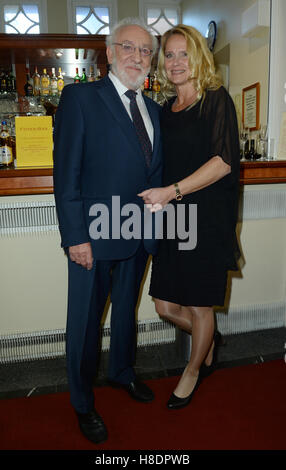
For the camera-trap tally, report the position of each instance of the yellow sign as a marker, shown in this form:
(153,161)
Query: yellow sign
(34,141)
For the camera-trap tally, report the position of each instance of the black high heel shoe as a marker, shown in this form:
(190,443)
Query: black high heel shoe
(174,402)
(206,371)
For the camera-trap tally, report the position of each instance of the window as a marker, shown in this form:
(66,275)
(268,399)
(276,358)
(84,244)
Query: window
(23,17)
(91,17)
(160,15)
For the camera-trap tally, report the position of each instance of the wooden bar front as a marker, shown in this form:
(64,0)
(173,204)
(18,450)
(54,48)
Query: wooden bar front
(40,181)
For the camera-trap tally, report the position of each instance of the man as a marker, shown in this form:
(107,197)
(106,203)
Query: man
(99,153)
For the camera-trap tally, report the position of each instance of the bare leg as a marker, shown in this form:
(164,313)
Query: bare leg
(175,313)
(209,357)
(202,338)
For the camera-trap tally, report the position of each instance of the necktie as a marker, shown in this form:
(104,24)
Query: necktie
(139,126)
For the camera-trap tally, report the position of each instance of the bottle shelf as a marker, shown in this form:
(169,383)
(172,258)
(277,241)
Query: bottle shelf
(67,51)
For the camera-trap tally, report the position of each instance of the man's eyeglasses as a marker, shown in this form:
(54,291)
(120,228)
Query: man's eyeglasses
(130,49)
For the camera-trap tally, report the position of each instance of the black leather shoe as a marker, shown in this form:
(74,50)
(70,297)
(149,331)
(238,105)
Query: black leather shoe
(175,403)
(205,370)
(136,389)
(92,426)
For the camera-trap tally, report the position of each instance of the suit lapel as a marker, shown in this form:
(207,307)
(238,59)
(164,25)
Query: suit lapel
(113,101)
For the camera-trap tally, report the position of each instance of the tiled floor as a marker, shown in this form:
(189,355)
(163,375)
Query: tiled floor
(49,376)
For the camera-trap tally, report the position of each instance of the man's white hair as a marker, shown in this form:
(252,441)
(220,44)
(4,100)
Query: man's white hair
(131,22)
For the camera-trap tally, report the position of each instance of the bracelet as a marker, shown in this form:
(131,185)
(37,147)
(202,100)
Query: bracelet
(179,195)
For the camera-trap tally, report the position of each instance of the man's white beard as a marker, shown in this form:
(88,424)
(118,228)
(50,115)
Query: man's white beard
(125,79)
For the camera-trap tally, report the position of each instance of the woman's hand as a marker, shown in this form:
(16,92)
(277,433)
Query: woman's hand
(156,198)
(209,173)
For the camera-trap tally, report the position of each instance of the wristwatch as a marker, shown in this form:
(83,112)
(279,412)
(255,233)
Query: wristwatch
(179,195)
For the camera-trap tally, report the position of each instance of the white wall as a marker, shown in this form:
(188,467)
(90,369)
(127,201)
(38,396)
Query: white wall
(277,92)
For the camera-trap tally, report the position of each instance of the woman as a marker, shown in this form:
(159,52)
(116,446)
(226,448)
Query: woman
(201,155)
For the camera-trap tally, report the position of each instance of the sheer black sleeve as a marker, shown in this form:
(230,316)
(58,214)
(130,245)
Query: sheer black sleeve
(223,129)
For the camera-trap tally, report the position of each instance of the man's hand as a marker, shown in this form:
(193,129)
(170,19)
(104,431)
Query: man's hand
(82,254)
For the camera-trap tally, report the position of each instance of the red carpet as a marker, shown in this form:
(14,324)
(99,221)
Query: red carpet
(242,408)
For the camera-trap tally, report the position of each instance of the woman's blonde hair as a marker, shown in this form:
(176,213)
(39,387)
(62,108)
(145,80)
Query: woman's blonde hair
(201,62)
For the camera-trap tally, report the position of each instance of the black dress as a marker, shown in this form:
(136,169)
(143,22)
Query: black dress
(191,137)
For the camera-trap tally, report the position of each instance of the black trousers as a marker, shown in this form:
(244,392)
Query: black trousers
(87,295)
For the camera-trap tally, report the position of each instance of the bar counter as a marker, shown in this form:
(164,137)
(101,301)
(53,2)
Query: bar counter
(40,180)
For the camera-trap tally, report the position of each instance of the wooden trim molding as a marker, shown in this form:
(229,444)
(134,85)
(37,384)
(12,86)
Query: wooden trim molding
(40,181)
(269,172)
(28,181)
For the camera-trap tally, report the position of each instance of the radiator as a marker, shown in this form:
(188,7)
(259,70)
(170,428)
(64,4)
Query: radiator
(252,317)
(40,216)
(51,344)
(17,218)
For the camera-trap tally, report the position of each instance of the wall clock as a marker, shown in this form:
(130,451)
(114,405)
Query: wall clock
(211,34)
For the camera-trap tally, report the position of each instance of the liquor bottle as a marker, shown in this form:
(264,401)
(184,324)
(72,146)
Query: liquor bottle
(9,83)
(83,78)
(45,83)
(54,83)
(146,83)
(247,143)
(150,84)
(156,88)
(30,77)
(3,85)
(76,77)
(13,80)
(98,75)
(60,82)
(91,77)
(28,87)
(36,82)
(6,152)
(251,155)
(156,84)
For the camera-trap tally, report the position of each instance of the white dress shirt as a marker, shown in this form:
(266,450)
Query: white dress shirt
(121,89)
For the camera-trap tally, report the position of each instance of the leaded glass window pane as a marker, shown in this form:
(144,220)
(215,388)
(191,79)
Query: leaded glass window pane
(102,13)
(172,15)
(162,19)
(21,19)
(92,20)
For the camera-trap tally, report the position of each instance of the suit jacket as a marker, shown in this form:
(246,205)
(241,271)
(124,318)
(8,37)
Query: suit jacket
(97,156)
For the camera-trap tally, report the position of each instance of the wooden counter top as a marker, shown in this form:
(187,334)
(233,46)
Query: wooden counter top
(26,181)
(40,180)
(263,172)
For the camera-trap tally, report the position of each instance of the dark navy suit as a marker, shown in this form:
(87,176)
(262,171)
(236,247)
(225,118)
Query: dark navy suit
(97,155)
